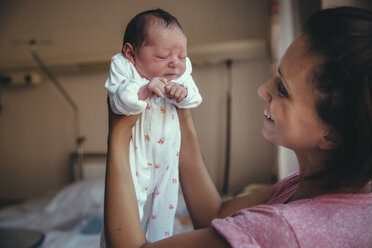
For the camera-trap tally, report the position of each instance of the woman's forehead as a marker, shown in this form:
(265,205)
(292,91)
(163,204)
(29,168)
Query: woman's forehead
(298,62)
(297,69)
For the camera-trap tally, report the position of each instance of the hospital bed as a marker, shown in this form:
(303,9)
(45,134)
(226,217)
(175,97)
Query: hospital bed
(71,217)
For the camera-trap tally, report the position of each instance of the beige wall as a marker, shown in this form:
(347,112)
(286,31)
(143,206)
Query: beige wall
(252,157)
(36,137)
(36,128)
(86,30)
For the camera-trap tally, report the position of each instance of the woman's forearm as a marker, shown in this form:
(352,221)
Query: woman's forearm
(122,225)
(202,199)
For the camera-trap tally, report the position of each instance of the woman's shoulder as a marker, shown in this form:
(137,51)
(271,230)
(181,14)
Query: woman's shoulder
(339,218)
(285,188)
(259,226)
(324,221)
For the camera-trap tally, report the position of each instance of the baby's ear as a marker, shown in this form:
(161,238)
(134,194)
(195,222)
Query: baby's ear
(329,141)
(128,52)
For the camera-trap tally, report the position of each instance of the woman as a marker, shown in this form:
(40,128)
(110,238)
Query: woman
(319,104)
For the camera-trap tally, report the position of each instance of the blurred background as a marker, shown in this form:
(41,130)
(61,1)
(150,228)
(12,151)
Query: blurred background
(54,60)
(75,40)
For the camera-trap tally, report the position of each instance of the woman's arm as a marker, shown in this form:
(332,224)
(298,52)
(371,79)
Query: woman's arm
(203,201)
(122,224)
(120,206)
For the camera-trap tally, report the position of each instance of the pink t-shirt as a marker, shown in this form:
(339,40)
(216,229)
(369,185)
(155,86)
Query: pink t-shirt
(335,220)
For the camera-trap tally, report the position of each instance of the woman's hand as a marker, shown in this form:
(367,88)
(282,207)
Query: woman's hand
(120,124)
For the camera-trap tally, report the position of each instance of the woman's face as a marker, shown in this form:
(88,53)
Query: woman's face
(290,116)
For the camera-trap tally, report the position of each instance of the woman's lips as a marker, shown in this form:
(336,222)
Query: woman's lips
(267,115)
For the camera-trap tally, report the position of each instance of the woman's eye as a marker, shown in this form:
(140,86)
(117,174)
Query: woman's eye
(281,89)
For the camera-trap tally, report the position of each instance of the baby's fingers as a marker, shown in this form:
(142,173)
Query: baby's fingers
(173,90)
(162,80)
(157,88)
(176,91)
(182,96)
(179,94)
(158,91)
(168,87)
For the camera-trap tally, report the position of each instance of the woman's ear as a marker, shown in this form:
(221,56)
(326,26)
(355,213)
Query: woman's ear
(129,52)
(329,141)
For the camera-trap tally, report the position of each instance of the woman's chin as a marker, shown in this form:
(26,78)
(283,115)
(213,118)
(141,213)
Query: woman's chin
(269,135)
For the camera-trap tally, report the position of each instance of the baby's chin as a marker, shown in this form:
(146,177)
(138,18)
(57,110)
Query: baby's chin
(171,77)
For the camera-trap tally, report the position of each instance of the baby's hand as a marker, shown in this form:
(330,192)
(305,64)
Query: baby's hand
(155,86)
(175,91)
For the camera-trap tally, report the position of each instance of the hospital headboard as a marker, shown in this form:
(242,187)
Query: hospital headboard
(93,166)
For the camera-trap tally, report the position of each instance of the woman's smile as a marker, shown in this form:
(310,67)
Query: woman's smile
(268,116)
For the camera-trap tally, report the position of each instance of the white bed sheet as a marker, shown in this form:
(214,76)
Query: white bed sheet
(63,217)
(71,217)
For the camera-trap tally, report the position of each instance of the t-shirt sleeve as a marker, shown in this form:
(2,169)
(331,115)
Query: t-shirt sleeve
(285,188)
(260,226)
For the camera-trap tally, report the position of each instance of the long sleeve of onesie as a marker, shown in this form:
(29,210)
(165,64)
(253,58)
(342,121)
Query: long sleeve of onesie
(123,84)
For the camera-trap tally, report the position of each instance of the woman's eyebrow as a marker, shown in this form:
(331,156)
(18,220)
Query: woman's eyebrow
(281,76)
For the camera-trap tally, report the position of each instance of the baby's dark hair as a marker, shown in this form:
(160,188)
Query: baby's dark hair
(136,30)
(343,39)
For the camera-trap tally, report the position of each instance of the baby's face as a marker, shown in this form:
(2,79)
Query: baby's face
(164,54)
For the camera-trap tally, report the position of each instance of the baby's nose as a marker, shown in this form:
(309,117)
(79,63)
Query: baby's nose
(174,61)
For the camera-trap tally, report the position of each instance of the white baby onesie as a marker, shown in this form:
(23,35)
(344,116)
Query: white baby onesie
(155,144)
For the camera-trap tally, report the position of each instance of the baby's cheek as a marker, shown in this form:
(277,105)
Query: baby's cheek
(182,69)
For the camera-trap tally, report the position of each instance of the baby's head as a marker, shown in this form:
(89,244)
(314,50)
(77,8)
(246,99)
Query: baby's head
(155,44)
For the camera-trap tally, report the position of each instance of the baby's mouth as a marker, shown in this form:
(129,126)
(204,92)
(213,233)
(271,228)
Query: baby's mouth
(173,73)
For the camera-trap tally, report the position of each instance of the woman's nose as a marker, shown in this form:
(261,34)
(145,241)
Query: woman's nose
(264,93)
